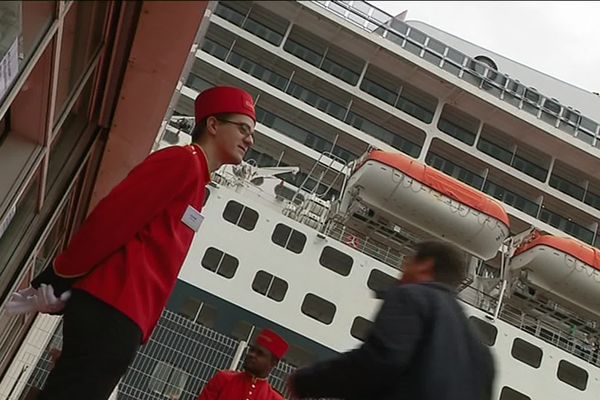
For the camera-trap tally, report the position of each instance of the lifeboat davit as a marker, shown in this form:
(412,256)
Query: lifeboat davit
(566,267)
(403,189)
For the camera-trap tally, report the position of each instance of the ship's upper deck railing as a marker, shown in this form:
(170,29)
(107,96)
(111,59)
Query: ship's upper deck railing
(365,244)
(582,345)
(482,75)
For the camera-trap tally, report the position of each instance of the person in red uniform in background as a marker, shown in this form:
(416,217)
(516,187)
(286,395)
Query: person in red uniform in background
(123,263)
(251,384)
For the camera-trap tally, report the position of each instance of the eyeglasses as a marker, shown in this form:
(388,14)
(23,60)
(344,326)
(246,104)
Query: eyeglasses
(243,127)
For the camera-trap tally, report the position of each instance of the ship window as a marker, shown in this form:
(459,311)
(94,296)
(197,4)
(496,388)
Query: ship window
(526,352)
(572,375)
(318,308)
(240,215)
(487,332)
(207,316)
(190,307)
(271,286)
(242,330)
(336,261)
(289,238)
(360,328)
(379,282)
(511,394)
(221,263)
(167,381)
(199,312)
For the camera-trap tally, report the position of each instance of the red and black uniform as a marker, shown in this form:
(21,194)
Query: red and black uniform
(123,263)
(125,260)
(130,249)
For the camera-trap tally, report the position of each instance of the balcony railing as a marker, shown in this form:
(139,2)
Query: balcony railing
(510,90)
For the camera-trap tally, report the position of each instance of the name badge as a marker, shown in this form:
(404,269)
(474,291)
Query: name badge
(192,218)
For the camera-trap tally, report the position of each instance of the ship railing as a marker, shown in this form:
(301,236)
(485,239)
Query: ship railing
(366,245)
(486,77)
(585,349)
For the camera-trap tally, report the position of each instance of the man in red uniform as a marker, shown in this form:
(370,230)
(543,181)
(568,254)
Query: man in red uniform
(123,264)
(251,384)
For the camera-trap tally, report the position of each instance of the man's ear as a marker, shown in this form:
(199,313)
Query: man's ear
(211,125)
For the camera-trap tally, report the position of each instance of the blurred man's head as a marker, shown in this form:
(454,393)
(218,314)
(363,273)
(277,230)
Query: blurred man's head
(435,262)
(225,120)
(265,354)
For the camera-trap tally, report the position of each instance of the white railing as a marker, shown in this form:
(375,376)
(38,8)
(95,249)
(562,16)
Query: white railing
(498,84)
(545,329)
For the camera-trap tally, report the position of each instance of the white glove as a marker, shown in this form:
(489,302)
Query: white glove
(46,302)
(41,300)
(21,302)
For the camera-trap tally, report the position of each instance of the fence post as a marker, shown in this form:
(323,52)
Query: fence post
(238,355)
(114,395)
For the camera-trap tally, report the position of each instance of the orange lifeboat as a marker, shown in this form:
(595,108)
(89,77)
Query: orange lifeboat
(403,189)
(563,266)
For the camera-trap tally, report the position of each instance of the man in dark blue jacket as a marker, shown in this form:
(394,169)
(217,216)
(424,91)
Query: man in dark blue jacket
(421,346)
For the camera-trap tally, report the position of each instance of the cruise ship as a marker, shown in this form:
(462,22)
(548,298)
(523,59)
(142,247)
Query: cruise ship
(373,133)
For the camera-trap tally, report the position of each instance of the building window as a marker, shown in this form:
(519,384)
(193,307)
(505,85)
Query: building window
(380,282)
(167,381)
(268,285)
(240,215)
(360,328)
(527,353)
(487,332)
(511,394)
(221,263)
(318,308)
(336,261)
(572,375)
(82,37)
(289,238)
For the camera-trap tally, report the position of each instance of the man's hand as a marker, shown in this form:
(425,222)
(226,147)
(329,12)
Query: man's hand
(21,302)
(37,300)
(46,302)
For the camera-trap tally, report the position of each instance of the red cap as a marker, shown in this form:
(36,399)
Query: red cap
(224,99)
(272,342)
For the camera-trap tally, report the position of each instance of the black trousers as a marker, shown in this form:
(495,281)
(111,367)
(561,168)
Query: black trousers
(99,343)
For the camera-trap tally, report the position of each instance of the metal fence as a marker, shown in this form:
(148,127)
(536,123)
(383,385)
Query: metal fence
(175,364)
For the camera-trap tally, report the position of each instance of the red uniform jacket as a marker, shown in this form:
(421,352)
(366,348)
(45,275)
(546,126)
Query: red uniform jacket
(229,385)
(132,246)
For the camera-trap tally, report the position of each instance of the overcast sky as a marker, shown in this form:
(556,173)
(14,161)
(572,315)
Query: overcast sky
(561,39)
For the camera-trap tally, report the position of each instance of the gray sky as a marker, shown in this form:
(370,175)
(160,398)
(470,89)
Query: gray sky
(561,39)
